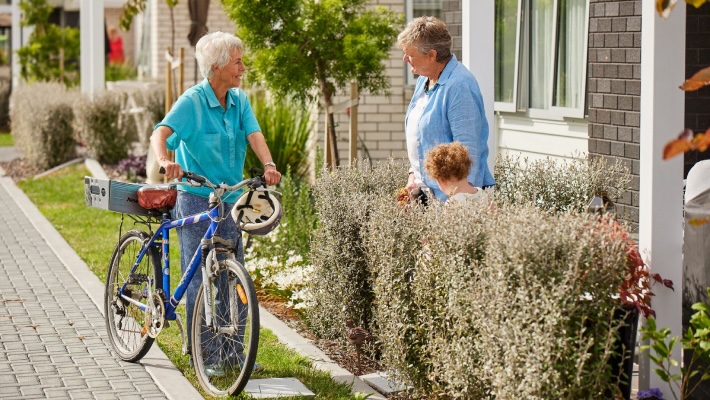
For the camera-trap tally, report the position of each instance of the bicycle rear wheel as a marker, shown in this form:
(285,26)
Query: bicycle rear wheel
(224,354)
(125,322)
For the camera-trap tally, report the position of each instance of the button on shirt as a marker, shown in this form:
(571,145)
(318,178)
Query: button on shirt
(208,139)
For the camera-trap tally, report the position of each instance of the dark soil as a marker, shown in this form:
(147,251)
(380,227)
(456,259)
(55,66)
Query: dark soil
(340,352)
(19,169)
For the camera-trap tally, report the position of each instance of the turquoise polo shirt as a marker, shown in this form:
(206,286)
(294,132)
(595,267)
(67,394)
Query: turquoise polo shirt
(209,140)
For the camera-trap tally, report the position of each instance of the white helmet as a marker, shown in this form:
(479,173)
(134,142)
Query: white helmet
(257,212)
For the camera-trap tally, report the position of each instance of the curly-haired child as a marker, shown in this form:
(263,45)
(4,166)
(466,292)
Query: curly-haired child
(449,165)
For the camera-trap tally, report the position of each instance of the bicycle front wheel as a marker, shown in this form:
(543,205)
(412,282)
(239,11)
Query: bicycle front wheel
(125,322)
(224,351)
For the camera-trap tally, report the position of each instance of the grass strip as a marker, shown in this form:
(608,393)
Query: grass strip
(6,140)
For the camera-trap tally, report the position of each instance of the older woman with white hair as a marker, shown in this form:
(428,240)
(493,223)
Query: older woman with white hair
(209,128)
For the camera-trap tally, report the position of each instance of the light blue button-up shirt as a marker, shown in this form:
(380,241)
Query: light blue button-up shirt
(209,140)
(455,113)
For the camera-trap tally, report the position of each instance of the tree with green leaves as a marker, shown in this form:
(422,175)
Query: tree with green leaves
(310,49)
(52,52)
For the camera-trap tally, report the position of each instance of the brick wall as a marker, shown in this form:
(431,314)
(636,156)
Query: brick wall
(697,56)
(451,13)
(614,88)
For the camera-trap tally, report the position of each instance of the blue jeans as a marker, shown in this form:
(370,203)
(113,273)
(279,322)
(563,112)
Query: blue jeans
(189,237)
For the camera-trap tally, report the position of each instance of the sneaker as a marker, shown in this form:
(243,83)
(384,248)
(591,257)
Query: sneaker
(214,371)
(239,360)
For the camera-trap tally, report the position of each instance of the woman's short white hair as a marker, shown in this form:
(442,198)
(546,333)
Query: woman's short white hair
(215,48)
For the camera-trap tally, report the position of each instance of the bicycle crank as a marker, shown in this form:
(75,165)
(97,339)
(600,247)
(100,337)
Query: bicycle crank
(154,317)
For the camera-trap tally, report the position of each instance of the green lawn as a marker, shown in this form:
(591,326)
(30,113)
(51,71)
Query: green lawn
(93,234)
(6,139)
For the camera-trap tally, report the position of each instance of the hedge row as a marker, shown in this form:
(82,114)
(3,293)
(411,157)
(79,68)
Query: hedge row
(509,302)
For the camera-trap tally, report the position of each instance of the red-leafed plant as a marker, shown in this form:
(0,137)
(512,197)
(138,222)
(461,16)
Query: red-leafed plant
(636,290)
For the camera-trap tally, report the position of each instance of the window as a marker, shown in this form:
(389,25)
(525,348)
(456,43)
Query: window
(541,57)
(420,8)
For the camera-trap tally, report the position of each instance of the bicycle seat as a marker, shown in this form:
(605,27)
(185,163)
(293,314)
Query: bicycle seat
(157,197)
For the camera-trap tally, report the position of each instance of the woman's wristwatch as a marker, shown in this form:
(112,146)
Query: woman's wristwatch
(270,164)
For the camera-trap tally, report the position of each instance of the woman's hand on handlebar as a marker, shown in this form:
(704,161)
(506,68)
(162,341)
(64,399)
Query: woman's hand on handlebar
(172,170)
(271,175)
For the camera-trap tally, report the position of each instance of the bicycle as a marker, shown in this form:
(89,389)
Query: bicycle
(138,301)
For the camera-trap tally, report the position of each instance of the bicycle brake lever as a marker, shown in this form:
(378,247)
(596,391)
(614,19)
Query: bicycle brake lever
(188,175)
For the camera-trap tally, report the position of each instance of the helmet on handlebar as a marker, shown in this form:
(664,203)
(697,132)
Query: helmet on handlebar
(257,212)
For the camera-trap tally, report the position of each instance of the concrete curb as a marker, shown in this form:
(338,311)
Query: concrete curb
(168,378)
(305,347)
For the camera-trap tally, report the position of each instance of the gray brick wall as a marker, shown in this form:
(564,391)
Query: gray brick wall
(614,89)
(451,14)
(697,56)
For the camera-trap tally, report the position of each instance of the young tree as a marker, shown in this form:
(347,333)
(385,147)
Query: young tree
(310,49)
(52,52)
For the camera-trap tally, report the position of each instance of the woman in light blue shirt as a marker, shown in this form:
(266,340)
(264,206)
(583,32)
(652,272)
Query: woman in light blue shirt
(446,107)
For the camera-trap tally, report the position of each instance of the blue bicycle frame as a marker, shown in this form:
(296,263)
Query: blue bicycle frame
(162,232)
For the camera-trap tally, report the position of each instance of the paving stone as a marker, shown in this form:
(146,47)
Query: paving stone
(41,354)
(276,387)
(381,382)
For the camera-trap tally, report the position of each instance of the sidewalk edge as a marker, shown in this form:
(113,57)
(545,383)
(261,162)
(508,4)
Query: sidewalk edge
(303,346)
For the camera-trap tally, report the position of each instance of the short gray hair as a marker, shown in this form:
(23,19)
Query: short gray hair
(426,34)
(215,48)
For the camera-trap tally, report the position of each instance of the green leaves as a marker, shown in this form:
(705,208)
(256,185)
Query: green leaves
(52,52)
(300,48)
(695,339)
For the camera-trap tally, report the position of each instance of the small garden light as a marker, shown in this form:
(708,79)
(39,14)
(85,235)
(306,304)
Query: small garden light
(601,205)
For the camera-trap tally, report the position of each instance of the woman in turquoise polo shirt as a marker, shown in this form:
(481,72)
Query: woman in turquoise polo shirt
(209,128)
(446,106)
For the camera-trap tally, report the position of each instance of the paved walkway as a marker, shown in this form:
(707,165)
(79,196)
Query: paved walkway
(53,342)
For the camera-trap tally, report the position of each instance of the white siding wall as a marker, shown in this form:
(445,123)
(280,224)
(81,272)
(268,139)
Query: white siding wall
(539,138)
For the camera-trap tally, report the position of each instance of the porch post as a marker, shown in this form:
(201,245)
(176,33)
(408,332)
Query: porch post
(478,51)
(661,182)
(93,36)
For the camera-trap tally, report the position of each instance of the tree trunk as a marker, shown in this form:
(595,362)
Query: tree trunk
(328,102)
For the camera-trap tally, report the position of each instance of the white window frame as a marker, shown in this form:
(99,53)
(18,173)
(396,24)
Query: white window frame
(512,106)
(574,112)
(522,76)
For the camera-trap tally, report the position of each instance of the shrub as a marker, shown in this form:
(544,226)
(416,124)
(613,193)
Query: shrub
(559,186)
(103,128)
(340,284)
(479,303)
(42,117)
(286,128)
(153,100)
(119,72)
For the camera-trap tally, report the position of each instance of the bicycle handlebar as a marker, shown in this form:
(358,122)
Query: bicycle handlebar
(253,183)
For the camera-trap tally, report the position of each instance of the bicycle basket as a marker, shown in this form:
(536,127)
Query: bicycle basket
(157,197)
(257,212)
